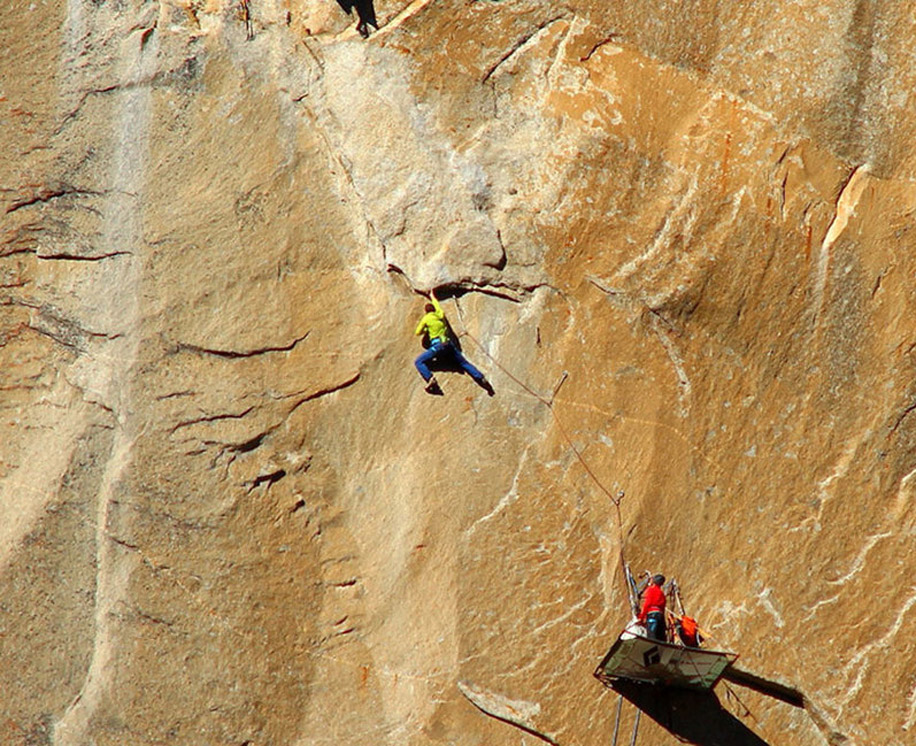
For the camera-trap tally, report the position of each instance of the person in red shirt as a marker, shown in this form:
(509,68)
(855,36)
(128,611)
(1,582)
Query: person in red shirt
(653,609)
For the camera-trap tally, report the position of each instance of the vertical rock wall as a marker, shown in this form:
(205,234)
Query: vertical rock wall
(230,515)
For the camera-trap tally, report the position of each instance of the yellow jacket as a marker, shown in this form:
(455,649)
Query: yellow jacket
(434,324)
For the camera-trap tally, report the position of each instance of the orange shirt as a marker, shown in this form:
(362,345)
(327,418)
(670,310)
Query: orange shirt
(653,600)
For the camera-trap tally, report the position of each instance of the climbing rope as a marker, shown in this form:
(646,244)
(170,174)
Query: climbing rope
(635,727)
(617,717)
(615,499)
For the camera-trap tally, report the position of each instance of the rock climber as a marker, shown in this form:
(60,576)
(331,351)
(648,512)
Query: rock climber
(434,325)
(653,609)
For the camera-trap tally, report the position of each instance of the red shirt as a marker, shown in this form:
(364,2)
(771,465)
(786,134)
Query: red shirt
(653,600)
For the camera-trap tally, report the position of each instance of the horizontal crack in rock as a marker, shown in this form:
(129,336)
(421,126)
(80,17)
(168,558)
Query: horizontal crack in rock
(211,418)
(500,289)
(53,324)
(234,354)
(81,258)
(48,194)
(267,479)
(325,392)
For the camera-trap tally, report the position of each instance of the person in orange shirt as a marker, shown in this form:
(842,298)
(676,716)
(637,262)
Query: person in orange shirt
(689,631)
(653,609)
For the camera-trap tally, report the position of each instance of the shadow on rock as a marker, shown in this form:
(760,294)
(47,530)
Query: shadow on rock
(691,716)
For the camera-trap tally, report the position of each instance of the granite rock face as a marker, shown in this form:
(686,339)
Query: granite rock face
(229,514)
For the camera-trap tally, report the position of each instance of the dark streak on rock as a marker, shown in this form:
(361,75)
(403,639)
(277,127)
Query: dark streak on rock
(234,354)
(175,395)
(268,479)
(182,523)
(14,284)
(500,289)
(878,280)
(48,194)
(73,113)
(79,258)
(901,418)
(325,392)
(499,264)
(64,331)
(518,45)
(255,442)
(56,338)
(186,71)
(153,619)
(211,418)
(338,560)
(249,445)
(125,544)
(610,38)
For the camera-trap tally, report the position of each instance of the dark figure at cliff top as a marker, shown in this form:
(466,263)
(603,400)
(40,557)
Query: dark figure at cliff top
(653,609)
(441,347)
(366,12)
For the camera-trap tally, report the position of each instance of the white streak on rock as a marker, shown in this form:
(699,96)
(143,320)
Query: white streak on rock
(840,469)
(684,387)
(563,617)
(106,377)
(763,598)
(817,607)
(513,711)
(859,561)
(904,497)
(729,612)
(505,501)
(857,667)
(670,226)
(845,208)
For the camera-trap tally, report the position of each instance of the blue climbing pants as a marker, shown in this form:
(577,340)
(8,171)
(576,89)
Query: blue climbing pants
(655,626)
(436,349)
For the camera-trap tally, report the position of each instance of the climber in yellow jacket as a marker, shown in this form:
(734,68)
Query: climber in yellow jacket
(433,324)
